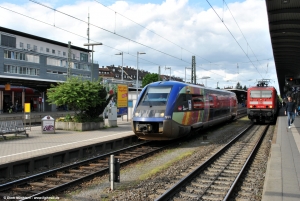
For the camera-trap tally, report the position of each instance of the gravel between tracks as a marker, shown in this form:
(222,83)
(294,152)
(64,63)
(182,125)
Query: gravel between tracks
(144,179)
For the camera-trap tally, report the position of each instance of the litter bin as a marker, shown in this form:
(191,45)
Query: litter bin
(48,124)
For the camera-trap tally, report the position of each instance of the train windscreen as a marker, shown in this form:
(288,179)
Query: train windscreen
(261,94)
(155,96)
(153,103)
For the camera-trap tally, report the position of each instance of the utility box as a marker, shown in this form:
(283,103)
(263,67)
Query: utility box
(48,125)
(112,116)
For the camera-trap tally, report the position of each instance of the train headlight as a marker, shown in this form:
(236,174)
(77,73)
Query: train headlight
(162,114)
(137,114)
(251,106)
(270,106)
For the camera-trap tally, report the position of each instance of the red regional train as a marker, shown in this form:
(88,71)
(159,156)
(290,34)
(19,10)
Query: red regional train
(262,103)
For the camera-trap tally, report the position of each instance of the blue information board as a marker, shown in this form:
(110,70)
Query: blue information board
(122,111)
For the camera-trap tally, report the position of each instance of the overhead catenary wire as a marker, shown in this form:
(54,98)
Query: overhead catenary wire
(110,32)
(117,35)
(241,32)
(233,37)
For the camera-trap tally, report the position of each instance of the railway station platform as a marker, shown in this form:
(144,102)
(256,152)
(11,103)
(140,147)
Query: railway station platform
(39,150)
(282,182)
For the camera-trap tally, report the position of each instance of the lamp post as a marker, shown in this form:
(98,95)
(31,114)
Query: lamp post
(137,73)
(92,44)
(121,53)
(185,72)
(205,77)
(170,71)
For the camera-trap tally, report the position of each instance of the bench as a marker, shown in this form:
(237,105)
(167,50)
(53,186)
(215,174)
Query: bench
(12,127)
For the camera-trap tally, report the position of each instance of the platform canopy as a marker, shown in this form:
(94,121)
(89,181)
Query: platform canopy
(284,26)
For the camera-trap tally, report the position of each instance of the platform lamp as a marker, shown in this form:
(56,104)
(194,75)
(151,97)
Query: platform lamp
(205,77)
(137,73)
(92,44)
(121,53)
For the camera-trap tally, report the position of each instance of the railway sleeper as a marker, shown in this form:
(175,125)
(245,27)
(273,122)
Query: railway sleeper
(98,165)
(53,179)
(190,195)
(89,168)
(192,190)
(221,187)
(78,171)
(226,178)
(210,198)
(201,185)
(203,180)
(69,175)
(207,177)
(238,168)
(209,173)
(216,192)
(213,169)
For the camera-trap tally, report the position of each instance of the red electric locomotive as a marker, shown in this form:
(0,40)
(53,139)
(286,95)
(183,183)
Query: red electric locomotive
(262,103)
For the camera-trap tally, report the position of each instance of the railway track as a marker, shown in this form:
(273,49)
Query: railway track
(59,179)
(216,178)
(56,180)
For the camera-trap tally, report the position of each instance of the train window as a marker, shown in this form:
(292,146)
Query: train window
(155,96)
(266,94)
(198,102)
(255,94)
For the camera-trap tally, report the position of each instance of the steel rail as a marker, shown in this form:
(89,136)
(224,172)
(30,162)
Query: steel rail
(250,157)
(176,187)
(89,176)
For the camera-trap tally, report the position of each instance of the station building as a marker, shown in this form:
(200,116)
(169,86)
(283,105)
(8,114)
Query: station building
(31,61)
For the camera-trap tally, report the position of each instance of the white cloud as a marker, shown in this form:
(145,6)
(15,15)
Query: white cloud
(185,31)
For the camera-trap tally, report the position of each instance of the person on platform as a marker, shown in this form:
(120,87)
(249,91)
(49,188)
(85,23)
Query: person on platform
(290,110)
(16,106)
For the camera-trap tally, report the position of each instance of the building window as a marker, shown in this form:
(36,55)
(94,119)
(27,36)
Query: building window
(64,54)
(53,51)
(47,50)
(28,46)
(21,70)
(35,48)
(83,57)
(73,56)
(58,52)
(8,41)
(21,45)
(41,49)
(57,62)
(21,56)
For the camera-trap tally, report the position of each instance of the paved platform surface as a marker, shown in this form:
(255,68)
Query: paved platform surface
(283,172)
(39,144)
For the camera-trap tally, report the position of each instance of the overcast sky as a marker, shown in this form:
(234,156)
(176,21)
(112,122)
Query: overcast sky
(170,32)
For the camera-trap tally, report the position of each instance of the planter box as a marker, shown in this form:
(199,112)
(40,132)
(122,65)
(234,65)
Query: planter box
(59,125)
(71,126)
(74,126)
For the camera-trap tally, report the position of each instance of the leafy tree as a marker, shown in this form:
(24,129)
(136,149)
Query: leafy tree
(86,98)
(149,78)
(245,88)
(238,86)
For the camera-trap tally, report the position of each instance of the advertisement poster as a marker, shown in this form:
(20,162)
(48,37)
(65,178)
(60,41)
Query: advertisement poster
(122,99)
(48,125)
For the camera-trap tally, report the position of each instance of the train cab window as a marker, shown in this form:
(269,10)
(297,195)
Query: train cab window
(155,96)
(255,94)
(266,94)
